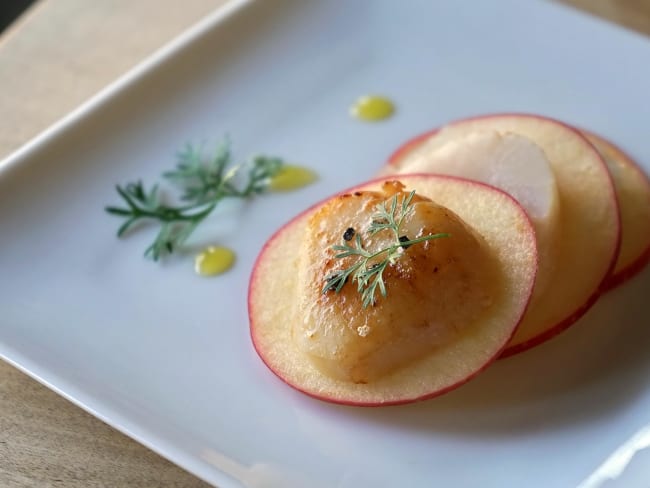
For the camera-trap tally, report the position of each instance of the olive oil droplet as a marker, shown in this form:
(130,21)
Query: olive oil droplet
(292,177)
(213,261)
(372,108)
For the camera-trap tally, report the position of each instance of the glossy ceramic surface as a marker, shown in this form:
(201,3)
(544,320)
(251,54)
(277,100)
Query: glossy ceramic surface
(165,355)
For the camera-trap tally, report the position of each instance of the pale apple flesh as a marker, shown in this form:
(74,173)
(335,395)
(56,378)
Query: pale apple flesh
(507,161)
(277,315)
(589,228)
(633,190)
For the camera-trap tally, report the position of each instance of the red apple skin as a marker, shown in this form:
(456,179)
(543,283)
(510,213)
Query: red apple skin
(618,278)
(497,355)
(631,271)
(409,145)
(552,332)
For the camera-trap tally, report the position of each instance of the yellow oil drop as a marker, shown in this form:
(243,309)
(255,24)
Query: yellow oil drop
(372,108)
(291,178)
(213,261)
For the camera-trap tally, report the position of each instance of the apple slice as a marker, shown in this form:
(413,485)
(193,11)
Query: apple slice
(633,190)
(278,315)
(589,227)
(511,162)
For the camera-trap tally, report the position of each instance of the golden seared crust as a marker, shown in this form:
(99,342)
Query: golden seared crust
(508,237)
(434,289)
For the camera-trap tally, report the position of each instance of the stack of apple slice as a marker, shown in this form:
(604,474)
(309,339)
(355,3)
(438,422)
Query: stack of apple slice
(632,187)
(544,203)
(589,203)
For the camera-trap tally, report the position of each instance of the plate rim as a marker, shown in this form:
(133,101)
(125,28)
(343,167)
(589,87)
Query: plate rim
(131,77)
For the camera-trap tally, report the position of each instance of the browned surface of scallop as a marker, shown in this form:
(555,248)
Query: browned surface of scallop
(276,291)
(349,341)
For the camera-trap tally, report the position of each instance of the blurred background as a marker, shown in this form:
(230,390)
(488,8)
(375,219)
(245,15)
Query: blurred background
(10,9)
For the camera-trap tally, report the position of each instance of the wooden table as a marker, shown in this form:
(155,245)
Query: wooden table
(53,58)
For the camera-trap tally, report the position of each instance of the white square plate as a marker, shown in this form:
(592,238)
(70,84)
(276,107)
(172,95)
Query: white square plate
(165,356)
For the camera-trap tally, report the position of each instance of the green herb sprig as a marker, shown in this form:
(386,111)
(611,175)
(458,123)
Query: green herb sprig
(204,183)
(368,270)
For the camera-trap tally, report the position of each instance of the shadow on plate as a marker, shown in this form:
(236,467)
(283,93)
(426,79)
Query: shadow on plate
(599,365)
